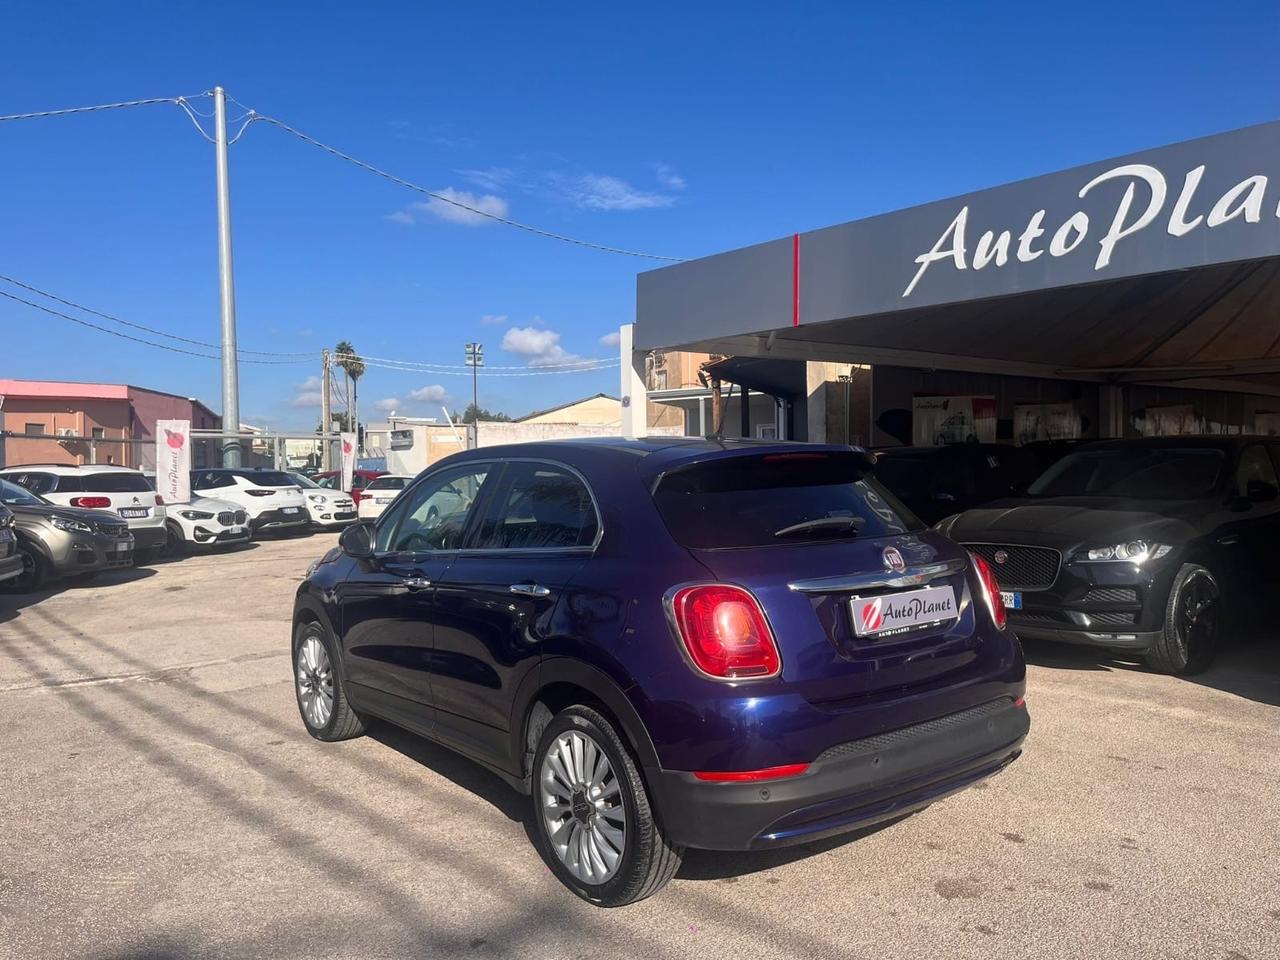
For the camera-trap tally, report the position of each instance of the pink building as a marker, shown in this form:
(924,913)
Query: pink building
(52,421)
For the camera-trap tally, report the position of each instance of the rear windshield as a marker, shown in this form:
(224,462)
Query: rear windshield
(1168,473)
(778,499)
(387,483)
(115,483)
(267,478)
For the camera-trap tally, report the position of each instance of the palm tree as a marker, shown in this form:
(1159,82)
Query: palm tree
(352,370)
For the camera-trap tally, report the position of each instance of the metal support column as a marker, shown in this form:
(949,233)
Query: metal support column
(226,286)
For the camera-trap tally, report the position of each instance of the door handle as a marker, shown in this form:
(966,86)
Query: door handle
(530,590)
(416,583)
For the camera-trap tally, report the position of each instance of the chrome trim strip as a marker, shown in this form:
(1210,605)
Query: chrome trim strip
(913,576)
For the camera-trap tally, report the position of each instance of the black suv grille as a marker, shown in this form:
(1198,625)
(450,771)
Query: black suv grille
(113,529)
(1018,567)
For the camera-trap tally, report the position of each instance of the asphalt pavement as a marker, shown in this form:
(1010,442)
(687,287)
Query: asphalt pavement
(159,798)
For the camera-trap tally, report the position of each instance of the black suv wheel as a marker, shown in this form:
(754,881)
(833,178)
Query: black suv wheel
(1192,623)
(317,682)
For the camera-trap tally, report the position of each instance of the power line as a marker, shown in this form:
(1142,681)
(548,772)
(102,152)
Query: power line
(259,118)
(97,107)
(426,364)
(601,365)
(126,336)
(138,326)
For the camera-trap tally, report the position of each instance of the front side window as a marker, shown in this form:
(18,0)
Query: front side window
(1254,471)
(1146,472)
(434,515)
(544,507)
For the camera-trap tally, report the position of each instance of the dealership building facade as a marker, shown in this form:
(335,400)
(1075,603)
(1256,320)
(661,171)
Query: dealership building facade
(1139,295)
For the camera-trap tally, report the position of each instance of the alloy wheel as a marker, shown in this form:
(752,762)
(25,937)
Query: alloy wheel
(314,675)
(582,807)
(1197,615)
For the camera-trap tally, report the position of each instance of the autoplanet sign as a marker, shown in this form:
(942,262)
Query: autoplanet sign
(1142,204)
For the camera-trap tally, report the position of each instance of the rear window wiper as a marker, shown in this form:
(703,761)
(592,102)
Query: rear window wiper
(843,525)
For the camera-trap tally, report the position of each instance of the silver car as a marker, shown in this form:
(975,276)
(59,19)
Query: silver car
(56,541)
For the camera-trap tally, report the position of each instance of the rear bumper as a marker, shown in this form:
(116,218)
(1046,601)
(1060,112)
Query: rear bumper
(849,786)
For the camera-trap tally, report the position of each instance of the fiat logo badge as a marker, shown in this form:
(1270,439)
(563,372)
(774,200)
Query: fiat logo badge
(1000,556)
(893,559)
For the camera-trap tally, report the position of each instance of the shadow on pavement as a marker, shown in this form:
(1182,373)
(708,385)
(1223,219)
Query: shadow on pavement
(1248,668)
(13,603)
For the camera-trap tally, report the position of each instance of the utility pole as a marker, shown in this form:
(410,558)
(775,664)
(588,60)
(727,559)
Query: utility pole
(475,360)
(226,286)
(326,415)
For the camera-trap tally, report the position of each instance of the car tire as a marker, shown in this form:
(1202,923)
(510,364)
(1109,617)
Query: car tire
(318,686)
(175,544)
(1193,621)
(576,840)
(35,571)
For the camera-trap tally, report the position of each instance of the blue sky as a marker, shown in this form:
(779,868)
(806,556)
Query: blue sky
(681,129)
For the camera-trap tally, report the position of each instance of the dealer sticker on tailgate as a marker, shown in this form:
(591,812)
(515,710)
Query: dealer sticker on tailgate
(898,612)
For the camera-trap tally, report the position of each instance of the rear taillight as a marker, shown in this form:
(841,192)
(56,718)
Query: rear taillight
(91,503)
(260,493)
(724,632)
(355,497)
(159,500)
(991,589)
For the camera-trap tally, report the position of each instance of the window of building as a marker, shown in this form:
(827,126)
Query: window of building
(34,429)
(660,380)
(99,433)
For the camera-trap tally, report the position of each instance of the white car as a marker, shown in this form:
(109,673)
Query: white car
(269,497)
(113,489)
(204,522)
(379,493)
(329,508)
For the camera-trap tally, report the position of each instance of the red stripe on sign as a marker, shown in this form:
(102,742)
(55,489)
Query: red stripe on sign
(795,279)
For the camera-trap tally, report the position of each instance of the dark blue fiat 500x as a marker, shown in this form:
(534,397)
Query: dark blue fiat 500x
(668,643)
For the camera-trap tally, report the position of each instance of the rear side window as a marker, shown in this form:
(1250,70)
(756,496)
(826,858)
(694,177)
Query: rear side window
(544,507)
(116,483)
(211,479)
(267,478)
(778,499)
(40,483)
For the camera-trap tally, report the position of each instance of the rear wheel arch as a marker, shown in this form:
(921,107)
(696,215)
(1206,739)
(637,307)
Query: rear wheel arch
(560,683)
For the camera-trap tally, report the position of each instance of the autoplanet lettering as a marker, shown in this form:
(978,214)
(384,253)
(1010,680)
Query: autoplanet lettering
(1245,200)
(917,608)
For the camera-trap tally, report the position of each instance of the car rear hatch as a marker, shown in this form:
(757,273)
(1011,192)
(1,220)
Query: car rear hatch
(866,606)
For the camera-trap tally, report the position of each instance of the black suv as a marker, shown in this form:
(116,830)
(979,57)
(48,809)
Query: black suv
(1138,545)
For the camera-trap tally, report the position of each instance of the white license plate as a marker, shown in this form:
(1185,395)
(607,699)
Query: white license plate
(383,499)
(235,529)
(122,546)
(290,510)
(1012,599)
(132,513)
(893,613)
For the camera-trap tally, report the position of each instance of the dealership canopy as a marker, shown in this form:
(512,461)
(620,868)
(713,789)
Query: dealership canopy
(1158,267)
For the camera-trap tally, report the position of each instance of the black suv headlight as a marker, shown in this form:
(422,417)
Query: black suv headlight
(1136,552)
(7,520)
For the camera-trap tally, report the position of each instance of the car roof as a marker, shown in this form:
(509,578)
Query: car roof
(1200,442)
(64,469)
(650,456)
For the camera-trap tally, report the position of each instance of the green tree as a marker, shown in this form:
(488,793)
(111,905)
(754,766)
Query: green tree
(345,356)
(471,415)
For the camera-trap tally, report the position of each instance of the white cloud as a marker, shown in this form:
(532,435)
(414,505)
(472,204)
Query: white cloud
(442,209)
(492,179)
(307,393)
(668,177)
(610,339)
(598,191)
(389,405)
(539,346)
(434,393)
(493,319)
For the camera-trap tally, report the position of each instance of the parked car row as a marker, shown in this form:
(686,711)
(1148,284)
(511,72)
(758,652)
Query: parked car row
(75,521)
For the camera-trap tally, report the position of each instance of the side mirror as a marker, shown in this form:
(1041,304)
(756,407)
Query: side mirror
(1260,491)
(357,540)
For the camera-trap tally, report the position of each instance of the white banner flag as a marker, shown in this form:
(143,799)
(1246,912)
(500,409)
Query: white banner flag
(173,460)
(348,460)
